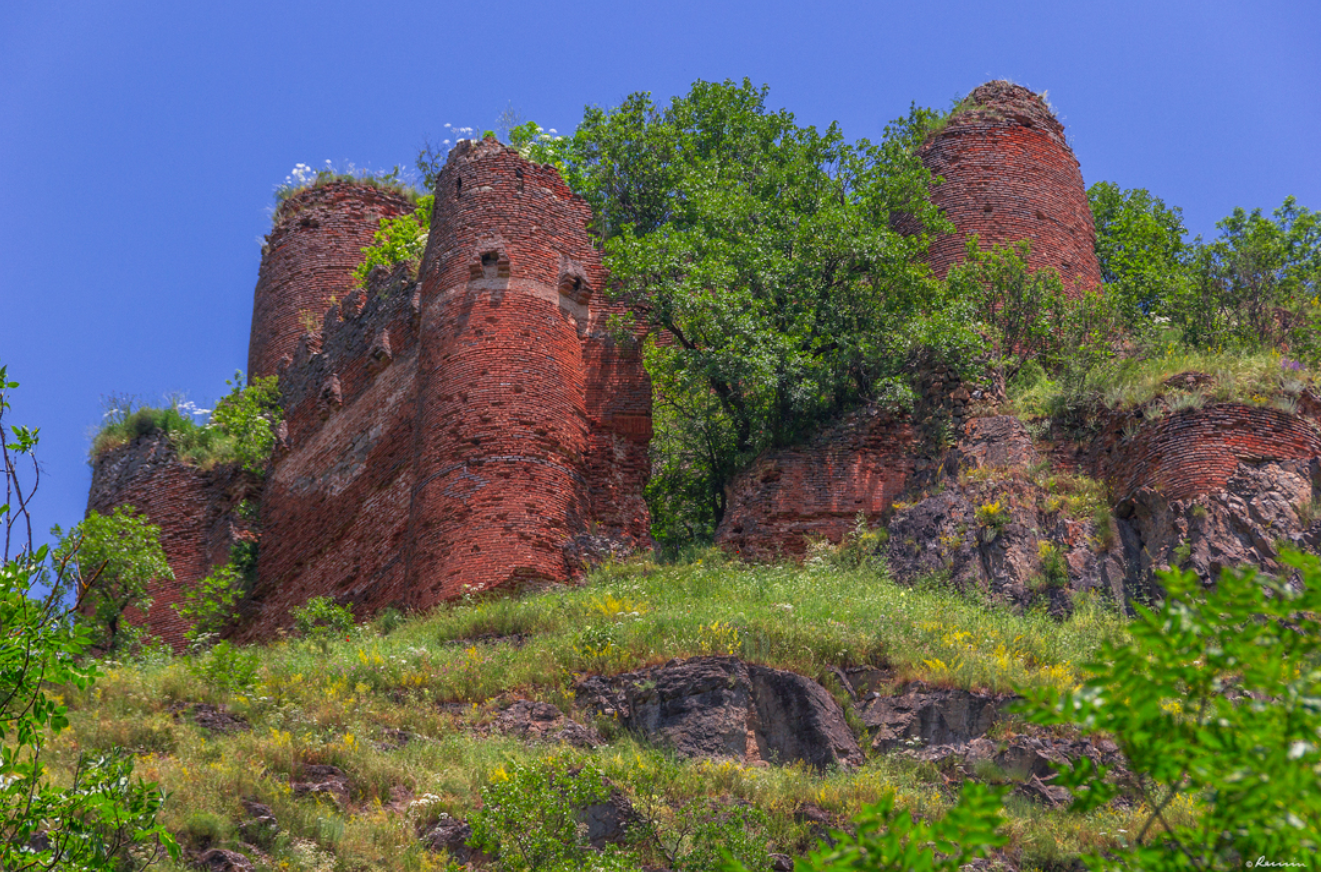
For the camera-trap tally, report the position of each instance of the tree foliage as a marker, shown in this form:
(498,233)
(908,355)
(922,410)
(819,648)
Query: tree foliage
(107,563)
(103,819)
(763,259)
(250,414)
(1216,701)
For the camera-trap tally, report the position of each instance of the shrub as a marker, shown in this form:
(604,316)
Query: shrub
(101,818)
(1244,663)
(320,619)
(108,561)
(398,240)
(530,815)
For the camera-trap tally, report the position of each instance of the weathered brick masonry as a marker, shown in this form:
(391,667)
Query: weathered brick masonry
(308,260)
(862,464)
(502,398)
(335,509)
(1194,452)
(1010,175)
(457,432)
(197,511)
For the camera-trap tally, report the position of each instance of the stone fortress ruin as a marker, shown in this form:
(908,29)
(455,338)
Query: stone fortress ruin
(469,423)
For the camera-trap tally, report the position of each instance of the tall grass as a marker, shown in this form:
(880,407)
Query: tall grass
(196,444)
(440,679)
(1259,377)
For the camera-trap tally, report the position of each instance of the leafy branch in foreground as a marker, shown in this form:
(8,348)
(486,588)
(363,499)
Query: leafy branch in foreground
(1216,702)
(103,819)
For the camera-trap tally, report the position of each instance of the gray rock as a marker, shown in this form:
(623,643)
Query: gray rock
(543,722)
(219,860)
(723,707)
(923,717)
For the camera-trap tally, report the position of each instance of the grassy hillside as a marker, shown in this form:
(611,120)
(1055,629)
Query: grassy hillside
(406,707)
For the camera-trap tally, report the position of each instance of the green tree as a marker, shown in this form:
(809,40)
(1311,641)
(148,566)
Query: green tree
(1141,249)
(761,255)
(1258,282)
(249,415)
(103,820)
(108,563)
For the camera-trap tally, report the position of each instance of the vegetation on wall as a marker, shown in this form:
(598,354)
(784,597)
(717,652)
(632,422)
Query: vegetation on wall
(241,428)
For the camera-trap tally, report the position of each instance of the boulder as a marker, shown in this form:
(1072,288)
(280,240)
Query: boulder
(322,780)
(924,717)
(723,707)
(219,860)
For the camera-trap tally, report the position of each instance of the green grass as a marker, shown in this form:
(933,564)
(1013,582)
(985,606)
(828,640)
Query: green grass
(196,444)
(431,676)
(1256,377)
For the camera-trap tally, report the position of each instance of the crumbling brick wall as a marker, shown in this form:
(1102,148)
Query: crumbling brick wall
(1195,451)
(1010,175)
(618,461)
(860,464)
(502,410)
(308,260)
(336,501)
(197,511)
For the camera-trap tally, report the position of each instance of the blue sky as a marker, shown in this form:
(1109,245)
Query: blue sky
(141,141)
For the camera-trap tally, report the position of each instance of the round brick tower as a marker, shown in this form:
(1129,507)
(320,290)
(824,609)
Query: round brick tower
(502,420)
(308,258)
(1010,175)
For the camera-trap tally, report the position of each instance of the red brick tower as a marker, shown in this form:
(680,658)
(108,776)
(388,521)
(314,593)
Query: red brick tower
(308,259)
(502,419)
(1010,175)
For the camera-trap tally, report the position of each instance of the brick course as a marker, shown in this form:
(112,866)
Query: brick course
(1010,175)
(1194,452)
(196,510)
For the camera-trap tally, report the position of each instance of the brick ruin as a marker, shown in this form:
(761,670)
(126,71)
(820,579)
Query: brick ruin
(470,423)
(1009,174)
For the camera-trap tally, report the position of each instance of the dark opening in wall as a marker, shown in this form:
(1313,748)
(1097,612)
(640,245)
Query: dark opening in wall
(490,264)
(518,185)
(458,188)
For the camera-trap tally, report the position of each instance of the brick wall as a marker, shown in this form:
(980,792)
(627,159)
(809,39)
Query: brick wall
(308,258)
(335,509)
(502,427)
(861,464)
(196,510)
(1194,452)
(1010,175)
(618,462)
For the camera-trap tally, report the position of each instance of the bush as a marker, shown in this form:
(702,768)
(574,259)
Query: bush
(530,816)
(398,240)
(1214,702)
(102,819)
(241,429)
(320,619)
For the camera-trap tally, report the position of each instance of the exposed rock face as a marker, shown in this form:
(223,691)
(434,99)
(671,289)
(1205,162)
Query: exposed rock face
(942,535)
(543,722)
(1262,507)
(929,717)
(723,707)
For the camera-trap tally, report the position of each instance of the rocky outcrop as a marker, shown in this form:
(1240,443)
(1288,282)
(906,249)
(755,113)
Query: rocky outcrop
(723,707)
(543,722)
(923,716)
(1000,522)
(1265,506)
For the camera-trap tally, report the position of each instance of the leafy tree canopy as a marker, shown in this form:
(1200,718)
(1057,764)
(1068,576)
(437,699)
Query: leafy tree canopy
(762,257)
